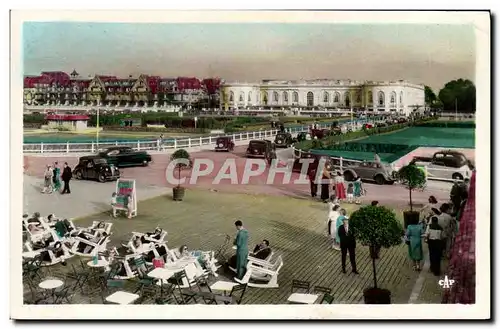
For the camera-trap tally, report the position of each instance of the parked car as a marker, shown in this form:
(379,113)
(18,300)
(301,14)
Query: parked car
(367,126)
(261,149)
(301,137)
(368,170)
(224,143)
(95,167)
(123,156)
(283,140)
(446,164)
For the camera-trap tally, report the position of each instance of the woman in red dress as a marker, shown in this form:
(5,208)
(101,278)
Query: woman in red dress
(340,187)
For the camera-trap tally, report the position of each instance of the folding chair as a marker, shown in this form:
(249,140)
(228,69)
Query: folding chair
(321,290)
(65,293)
(327,299)
(300,285)
(186,292)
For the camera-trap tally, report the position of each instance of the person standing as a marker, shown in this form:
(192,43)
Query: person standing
(312,182)
(333,215)
(338,223)
(447,223)
(414,240)
(47,180)
(66,177)
(325,184)
(433,236)
(57,177)
(340,187)
(130,206)
(241,243)
(347,244)
(358,190)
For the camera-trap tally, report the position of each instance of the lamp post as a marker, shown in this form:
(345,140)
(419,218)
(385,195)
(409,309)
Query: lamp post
(97,125)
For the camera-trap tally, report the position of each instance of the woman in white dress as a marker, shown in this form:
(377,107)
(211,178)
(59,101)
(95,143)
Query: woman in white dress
(333,214)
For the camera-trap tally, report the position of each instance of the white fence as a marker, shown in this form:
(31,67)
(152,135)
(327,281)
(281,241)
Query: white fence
(149,145)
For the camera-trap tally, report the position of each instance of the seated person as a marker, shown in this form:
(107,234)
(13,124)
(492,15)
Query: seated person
(61,228)
(181,252)
(35,219)
(261,251)
(87,249)
(155,235)
(34,229)
(161,250)
(137,242)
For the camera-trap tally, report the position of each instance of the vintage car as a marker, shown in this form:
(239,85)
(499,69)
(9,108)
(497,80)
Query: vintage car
(320,133)
(283,140)
(368,170)
(123,156)
(261,149)
(301,137)
(446,165)
(94,167)
(224,143)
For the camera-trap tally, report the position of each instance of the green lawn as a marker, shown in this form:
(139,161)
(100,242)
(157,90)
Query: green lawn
(295,228)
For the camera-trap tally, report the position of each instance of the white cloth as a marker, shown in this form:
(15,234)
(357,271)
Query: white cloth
(332,217)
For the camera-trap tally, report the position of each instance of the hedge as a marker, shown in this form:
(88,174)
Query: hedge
(447,124)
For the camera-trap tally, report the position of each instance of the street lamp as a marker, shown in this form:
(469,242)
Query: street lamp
(97,125)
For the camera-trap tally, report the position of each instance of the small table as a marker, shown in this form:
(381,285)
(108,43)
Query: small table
(100,263)
(122,298)
(52,285)
(298,298)
(224,286)
(162,274)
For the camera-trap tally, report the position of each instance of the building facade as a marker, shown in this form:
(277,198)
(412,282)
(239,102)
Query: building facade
(60,88)
(390,96)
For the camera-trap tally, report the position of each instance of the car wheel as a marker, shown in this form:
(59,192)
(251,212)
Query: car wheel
(348,176)
(457,176)
(101,178)
(380,180)
(78,174)
(145,163)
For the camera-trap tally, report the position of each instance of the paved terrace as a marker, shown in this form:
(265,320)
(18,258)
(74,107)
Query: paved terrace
(296,230)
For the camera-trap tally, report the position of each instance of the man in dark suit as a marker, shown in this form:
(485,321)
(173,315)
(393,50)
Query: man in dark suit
(347,243)
(67,174)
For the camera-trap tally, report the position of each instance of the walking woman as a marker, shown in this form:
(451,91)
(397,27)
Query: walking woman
(340,187)
(325,184)
(434,239)
(339,222)
(333,215)
(47,182)
(414,235)
(57,177)
(358,190)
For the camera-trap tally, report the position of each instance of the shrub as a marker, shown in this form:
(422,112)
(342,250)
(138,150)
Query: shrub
(181,154)
(413,178)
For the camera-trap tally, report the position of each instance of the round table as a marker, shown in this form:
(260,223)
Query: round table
(50,284)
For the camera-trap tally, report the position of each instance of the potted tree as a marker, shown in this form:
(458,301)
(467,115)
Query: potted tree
(376,227)
(179,191)
(413,178)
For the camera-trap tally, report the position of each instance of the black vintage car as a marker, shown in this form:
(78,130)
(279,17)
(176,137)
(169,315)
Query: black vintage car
(124,156)
(94,167)
(283,140)
(224,143)
(261,149)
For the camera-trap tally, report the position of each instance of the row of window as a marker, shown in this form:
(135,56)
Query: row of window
(326,97)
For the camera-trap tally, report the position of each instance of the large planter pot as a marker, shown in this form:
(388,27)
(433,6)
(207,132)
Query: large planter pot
(178,193)
(377,296)
(410,217)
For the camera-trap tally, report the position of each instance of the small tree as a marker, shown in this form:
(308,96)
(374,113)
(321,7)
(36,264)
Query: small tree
(181,154)
(413,178)
(375,227)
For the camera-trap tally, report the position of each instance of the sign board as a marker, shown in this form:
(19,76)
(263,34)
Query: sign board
(124,188)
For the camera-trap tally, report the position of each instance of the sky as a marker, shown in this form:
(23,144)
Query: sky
(427,54)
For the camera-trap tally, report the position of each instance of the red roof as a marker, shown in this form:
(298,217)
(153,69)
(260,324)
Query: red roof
(211,85)
(188,83)
(67,117)
(57,77)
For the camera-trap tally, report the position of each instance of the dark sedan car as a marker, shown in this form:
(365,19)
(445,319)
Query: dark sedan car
(94,167)
(124,156)
(261,149)
(224,144)
(283,140)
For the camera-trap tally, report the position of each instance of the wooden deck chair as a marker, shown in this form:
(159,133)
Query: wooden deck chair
(259,270)
(250,258)
(100,245)
(105,227)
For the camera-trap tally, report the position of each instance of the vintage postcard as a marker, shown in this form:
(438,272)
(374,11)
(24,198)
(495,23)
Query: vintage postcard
(250,165)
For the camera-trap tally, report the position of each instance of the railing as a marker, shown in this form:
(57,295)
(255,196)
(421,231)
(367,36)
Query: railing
(168,144)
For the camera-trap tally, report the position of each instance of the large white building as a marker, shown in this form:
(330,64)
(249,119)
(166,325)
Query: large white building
(388,96)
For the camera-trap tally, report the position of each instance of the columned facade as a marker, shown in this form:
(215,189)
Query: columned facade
(388,96)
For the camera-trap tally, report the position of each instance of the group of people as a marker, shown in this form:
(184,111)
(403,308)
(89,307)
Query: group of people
(52,178)
(334,187)
(438,228)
